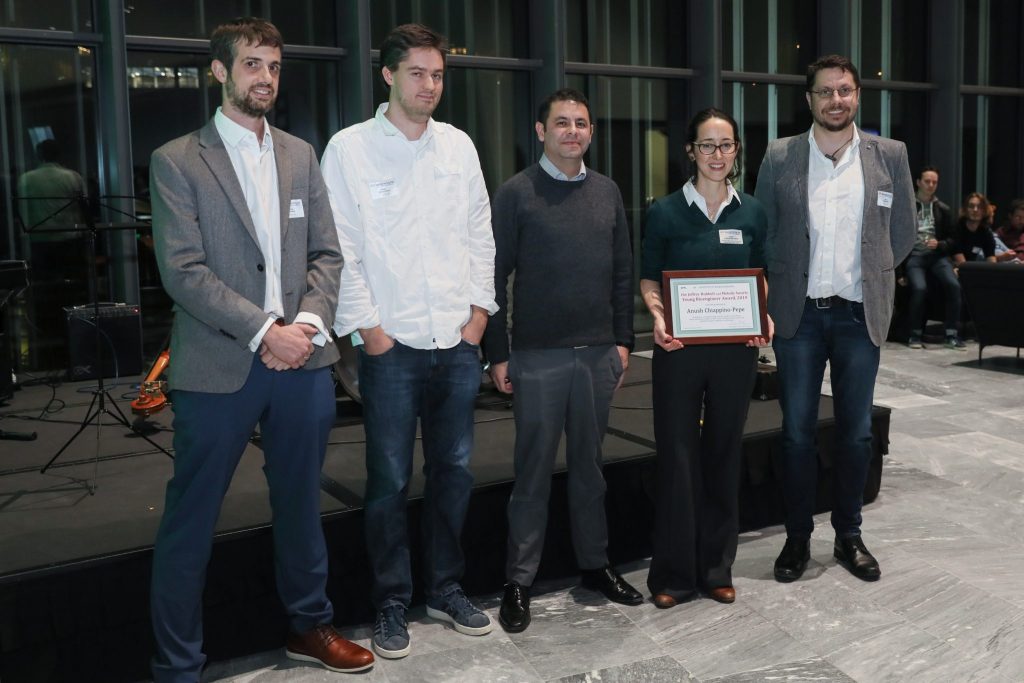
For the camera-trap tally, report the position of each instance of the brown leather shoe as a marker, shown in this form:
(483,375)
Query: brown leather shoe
(324,646)
(664,601)
(726,594)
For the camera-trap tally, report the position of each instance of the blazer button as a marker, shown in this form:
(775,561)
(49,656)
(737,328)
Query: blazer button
(805,274)
(259,267)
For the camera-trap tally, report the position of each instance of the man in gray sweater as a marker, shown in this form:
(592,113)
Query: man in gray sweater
(562,229)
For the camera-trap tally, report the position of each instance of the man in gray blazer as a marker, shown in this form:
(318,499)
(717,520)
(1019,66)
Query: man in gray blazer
(247,249)
(840,206)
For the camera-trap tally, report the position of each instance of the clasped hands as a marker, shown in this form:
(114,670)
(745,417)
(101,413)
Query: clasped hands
(287,347)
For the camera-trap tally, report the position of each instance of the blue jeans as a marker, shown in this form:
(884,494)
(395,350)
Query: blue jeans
(439,387)
(837,335)
(942,268)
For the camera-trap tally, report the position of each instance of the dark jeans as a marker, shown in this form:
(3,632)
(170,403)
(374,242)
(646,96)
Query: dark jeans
(942,268)
(837,335)
(295,411)
(438,387)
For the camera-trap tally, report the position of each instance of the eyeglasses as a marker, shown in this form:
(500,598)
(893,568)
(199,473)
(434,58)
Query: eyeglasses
(843,92)
(708,148)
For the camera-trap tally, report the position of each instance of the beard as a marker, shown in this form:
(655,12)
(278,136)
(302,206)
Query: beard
(834,127)
(245,103)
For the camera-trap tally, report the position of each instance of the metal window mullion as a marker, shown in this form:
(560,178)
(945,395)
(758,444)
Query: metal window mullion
(886,100)
(773,67)
(981,150)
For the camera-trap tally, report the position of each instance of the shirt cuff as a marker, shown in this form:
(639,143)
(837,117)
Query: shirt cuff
(321,338)
(254,343)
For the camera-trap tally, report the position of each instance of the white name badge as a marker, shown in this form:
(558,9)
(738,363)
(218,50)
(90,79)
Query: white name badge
(380,189)
(884,198)
(730,237)
(295,209)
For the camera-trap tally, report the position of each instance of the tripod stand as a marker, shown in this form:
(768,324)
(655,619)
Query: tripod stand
(102,402)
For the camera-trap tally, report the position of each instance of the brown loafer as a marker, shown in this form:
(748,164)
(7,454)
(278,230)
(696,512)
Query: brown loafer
(725,594)
(324,646)
(664,601)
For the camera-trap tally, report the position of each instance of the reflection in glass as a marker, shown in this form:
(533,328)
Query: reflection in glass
(49,110)
(761,121)
(993,49)
(772,36)
(49,15)
(301,22)
(639,33)
(491,28)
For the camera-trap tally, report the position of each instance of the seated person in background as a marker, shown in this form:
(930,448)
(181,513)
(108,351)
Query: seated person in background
(932,247)
(974,240)
(1012,233)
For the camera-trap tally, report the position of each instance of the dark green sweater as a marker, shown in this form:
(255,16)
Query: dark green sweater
(680,237)
(568,244)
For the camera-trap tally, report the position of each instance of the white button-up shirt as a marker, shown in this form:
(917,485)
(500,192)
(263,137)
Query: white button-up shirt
(414,223)
(836,209)
(693,197)
(256,168)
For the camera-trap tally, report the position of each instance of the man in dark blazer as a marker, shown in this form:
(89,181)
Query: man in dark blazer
(840,206)
(247,250)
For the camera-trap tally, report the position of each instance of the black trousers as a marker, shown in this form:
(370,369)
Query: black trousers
(698,465)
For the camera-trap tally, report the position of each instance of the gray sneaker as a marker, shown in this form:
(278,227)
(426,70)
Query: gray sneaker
(456,609)
(915,342)
(391,633)
(955,343)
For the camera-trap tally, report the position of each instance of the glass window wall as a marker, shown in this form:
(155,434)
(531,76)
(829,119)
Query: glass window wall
(639,33)
(301,22)
(490,28)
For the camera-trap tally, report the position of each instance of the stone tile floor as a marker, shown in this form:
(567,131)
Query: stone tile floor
(947,528)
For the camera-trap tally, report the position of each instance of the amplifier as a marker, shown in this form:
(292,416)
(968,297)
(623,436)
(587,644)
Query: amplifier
(120,338)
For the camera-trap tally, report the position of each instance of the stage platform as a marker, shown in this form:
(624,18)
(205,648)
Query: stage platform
(75,558)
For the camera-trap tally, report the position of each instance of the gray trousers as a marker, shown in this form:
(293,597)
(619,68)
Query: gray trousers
(559,390)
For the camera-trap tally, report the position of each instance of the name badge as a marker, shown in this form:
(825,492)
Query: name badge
(884,198)
(295,209)
(380,189)
(730,237)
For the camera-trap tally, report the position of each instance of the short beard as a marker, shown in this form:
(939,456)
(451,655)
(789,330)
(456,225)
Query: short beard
(834,127)
(246,104)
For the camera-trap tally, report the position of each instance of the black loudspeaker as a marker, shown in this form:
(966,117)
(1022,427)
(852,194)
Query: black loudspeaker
(120,341)
(6,380)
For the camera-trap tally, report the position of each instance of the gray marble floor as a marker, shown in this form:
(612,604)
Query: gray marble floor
(947,527)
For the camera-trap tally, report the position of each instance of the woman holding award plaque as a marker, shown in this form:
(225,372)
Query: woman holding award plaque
(701,390)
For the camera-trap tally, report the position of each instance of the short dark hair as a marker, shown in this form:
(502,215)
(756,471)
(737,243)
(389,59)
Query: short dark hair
(926,169)
(691,137)
(250,30)
(48,151)
(1015,206)
(397,44)
(831,62)
(562,95)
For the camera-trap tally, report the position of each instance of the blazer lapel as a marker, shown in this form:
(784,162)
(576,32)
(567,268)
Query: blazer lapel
(216,157)
(284,180)
(869,164)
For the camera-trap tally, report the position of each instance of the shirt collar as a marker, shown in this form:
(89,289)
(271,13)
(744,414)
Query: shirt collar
(553,171)
(691,195)
(389,128)
(850,148)
(234,134)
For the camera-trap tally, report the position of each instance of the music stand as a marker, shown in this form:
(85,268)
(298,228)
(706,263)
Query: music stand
(101,398)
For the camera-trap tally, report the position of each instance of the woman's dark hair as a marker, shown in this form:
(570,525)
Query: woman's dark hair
(986,220)
(691,136)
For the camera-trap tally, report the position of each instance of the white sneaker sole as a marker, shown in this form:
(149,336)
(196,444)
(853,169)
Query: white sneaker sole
(306,658)
(468,630)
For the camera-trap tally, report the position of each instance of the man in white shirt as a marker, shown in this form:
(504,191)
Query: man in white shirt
(840,205)
(414,224)
(246,248)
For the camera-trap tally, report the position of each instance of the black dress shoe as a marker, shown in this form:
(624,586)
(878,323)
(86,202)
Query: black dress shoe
(514,615)
(792,561)
(610,583)
(851,553)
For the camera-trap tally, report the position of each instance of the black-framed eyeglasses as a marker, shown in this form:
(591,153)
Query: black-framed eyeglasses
(708,148)
(826,93)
